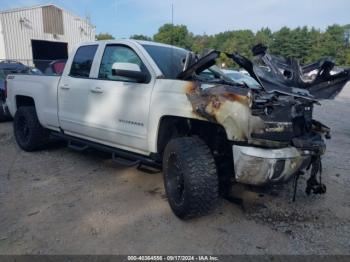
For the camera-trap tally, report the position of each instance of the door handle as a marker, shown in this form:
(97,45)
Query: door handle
(96,90)
(66,87)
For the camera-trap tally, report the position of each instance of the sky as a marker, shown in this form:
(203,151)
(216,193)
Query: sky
(123,18)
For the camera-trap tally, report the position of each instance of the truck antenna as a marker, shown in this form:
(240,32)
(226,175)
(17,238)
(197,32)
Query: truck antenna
(172,14)
(172,25)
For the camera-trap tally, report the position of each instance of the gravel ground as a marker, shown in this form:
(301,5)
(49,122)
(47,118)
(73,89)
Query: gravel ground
(59,201)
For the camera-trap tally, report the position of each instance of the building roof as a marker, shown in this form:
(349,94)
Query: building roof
(18,9)
(41,6)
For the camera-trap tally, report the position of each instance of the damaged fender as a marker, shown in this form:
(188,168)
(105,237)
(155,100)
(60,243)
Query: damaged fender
(273,124)
(226,105)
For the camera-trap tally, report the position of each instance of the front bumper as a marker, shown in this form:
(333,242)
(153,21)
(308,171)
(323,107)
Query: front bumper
(258,166)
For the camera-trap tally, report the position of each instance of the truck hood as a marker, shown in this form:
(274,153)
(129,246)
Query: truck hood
(315,81)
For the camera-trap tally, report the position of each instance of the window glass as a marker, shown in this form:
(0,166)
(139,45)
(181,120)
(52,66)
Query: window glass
(2,75)
(170,60)
(82,61)
(118,54)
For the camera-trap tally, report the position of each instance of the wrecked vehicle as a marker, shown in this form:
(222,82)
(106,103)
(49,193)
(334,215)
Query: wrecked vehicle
(162,106)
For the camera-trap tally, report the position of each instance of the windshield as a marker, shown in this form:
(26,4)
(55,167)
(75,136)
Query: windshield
(242,78)
(235,75)
(169,60)
(214,72)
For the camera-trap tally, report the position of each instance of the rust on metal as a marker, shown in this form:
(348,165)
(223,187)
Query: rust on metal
(225,105)
(238,98)
(190,87)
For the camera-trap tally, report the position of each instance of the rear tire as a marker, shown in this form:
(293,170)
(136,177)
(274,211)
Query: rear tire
(190,177)
(29,134)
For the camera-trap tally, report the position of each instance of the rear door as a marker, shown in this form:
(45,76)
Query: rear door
(74,91)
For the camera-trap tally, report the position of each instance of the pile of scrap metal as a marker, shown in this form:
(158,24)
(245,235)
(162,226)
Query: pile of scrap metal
(277,115)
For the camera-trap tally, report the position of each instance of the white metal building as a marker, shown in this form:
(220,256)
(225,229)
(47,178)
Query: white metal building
(43,32)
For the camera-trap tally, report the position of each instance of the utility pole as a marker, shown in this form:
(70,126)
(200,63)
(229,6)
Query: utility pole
(172,23)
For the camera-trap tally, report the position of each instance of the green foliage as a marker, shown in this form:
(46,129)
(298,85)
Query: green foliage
(177,35)
(202,44)
(104,36)
(303,43)
(263,36)
(141,37)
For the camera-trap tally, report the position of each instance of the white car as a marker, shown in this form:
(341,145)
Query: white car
(149,103)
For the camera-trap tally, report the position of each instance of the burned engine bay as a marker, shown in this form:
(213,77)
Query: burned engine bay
(277,115)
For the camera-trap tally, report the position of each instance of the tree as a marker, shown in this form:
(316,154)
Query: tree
(315,37)
(240,41)
(336,43)
(281,42)
(303,43)
(264,36)
(104,36)
(202,43)
(177,35)
(141,37)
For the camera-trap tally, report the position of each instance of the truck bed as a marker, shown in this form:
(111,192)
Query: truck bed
(41,88)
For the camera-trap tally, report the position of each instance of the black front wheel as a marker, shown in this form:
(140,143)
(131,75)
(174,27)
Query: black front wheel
(29,133)
(190,177)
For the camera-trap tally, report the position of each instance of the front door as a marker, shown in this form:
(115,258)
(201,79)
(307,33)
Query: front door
(114,110)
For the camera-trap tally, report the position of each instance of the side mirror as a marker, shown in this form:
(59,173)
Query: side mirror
(129,70)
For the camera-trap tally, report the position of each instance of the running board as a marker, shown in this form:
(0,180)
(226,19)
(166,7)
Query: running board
(77,146)
(149,169)
(124,161)
(120,156)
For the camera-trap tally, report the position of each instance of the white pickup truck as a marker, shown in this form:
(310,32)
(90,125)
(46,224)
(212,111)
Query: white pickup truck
(159,105)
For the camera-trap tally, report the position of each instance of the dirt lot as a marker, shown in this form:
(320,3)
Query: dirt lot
(63,202)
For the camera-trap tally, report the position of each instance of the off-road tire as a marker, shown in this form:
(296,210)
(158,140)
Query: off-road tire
(29,134)
(190,177)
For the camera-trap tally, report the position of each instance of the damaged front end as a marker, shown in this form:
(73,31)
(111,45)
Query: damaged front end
(273,134)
